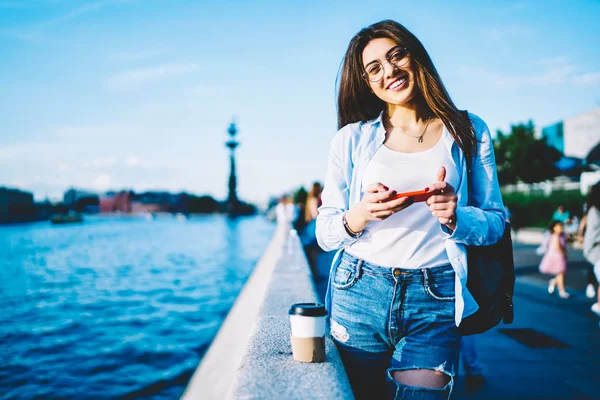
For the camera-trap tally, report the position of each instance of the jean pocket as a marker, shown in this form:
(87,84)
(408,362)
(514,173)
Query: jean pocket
(344,277)
(441,289)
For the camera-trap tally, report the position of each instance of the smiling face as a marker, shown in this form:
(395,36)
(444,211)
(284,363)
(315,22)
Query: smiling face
(397,86)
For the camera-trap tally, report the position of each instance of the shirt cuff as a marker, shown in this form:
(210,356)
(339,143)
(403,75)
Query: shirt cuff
(462,228)
(341,232)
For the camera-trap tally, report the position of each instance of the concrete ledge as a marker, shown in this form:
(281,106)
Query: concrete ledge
(251,357)
(269,371)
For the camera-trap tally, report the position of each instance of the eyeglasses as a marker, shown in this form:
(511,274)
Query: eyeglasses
(397,57)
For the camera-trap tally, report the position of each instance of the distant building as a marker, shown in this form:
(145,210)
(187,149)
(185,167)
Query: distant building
(116,202)
(154,202)
(82,200)
(147,202)
(582,134)
(72,196)
(575,136)
(16,206)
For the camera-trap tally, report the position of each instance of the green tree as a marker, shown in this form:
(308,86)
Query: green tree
(202,204)
(520,156)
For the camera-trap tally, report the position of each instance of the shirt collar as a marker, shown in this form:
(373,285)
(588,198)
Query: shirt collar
(377,123)
(379,119)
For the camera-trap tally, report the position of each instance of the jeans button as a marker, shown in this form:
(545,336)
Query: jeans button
(397,272)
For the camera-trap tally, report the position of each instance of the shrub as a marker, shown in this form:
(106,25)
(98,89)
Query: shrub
(535,209)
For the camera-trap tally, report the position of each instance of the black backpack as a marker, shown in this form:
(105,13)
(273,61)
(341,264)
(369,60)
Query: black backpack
(491,281)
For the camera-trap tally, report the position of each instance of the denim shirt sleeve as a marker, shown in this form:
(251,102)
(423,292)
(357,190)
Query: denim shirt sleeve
(482,222)
(331,234)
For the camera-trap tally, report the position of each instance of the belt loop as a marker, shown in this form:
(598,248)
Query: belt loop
(425,276)
(359,267)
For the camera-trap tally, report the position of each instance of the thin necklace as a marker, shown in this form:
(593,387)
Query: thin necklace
(420,137)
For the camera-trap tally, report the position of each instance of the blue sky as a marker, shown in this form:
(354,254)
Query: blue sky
(138,94)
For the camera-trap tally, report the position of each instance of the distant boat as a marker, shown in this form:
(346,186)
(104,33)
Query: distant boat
(67,218)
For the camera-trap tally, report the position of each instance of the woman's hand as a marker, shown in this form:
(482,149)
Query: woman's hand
(377,204)
(442,204)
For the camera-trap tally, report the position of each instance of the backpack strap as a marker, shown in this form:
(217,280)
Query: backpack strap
(469,161)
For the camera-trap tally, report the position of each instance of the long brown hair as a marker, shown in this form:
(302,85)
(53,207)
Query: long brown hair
(356,102)
(314,195)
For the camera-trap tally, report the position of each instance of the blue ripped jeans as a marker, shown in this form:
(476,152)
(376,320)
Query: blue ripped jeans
(387,319)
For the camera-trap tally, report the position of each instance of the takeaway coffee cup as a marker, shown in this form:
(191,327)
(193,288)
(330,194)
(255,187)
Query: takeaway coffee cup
(308,331)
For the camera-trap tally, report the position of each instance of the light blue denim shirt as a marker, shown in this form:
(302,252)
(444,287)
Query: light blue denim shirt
(479,222)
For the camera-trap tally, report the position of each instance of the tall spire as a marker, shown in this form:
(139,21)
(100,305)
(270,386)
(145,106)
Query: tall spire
(232,199)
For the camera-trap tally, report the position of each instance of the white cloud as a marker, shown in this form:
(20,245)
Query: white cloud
(552,61)
(128,56)
(23,151)
(588,79)
(139,75)
(102,182)
(509,32)
(549,72)
(206,90)
(49,167)
(552,76)
(63,167)
(106,162)
(86,132)
(36,32)
(82,10)
(132,161)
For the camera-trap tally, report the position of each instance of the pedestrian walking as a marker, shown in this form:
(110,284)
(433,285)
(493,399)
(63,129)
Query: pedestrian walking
(592,281)
(591,237)
(554,261)
(308,234)
(561,214)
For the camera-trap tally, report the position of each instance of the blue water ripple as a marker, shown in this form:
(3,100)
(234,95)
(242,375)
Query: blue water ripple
(117,307)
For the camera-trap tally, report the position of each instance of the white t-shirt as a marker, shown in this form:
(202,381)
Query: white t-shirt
(411,238)
(286,213)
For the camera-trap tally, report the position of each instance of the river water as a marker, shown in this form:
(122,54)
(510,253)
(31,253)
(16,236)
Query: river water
(117,307)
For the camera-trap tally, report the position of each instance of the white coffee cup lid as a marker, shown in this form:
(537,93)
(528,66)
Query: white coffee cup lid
(308,310)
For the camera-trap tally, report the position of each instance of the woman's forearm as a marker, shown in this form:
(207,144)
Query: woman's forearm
(355,221)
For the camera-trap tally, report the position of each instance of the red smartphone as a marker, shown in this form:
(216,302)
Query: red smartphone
(418,195)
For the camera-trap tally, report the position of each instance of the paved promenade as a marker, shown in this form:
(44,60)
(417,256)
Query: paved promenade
(552,349)
(556,355)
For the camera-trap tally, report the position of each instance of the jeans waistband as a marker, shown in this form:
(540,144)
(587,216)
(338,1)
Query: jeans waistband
(428,273)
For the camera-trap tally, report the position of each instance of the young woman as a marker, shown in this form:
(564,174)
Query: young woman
(591,238)
(309,240)
(592,281)
(554,261)
(397,289)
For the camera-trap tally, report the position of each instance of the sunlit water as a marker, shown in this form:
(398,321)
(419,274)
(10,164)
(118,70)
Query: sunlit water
(117,307)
